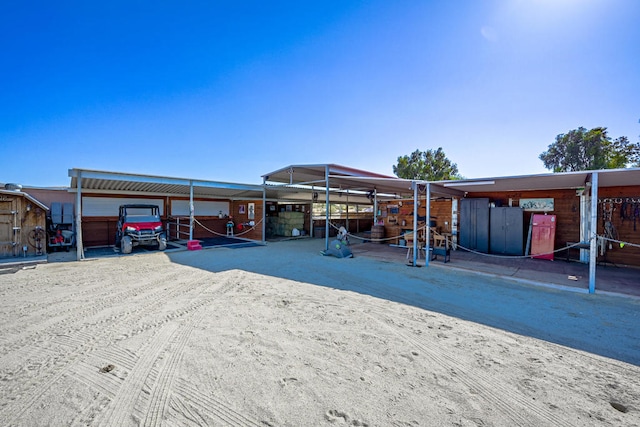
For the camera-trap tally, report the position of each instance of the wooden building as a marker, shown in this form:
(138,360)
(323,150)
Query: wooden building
(590,209)
(618,219)
(584,204)
(22,223)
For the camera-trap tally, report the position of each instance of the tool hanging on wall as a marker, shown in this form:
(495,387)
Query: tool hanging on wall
(609,230)
(629,208)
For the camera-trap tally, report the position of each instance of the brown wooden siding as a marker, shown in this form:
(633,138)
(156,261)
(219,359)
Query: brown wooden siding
(627,229)
(567,211)
(441,213)
(100,231)
(18,218)
(238,218)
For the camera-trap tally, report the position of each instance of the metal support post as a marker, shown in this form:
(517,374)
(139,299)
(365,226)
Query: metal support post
(79,244)
(593,250)
(191,209)
(428,226)
(264,214)
(415,223)
(327,216)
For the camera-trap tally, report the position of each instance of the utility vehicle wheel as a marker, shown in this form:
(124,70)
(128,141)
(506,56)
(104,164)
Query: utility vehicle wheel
(126,245)
(162,242)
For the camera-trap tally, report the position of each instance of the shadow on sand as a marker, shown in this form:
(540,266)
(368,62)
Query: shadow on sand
(601,324)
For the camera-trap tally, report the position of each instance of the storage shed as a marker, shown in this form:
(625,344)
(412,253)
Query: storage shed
(22,223)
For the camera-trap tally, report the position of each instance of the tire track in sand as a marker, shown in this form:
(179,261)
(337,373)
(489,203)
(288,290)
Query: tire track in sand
(519,410)
(55,366)
(155,371)
(109,382)
(191,396)
(165,377)
(60,326)
(121,407)
(164,396)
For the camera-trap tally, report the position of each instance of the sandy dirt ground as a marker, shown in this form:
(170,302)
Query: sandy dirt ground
(195,339)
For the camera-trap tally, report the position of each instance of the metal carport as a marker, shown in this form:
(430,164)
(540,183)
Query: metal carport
(335,178)
(102,182)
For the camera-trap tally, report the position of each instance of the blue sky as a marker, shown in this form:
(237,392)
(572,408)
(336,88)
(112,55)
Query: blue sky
(229,91)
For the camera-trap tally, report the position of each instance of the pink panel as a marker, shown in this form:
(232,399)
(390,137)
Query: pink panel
(543,235)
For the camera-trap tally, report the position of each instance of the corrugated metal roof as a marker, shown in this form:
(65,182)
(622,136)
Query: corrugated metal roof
(293,183)
(550,181)
(135,184)
(303,174)
(103,182)
(340,178)
(347,178)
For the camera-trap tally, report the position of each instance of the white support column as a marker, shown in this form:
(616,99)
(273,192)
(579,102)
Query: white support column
(427,225)
(79,244)
(347,221)
(415,223)
(311,233)
(191,209)
(593,235)
(375,206)
(264,214)
(585,229)
(454,222)
(326,225)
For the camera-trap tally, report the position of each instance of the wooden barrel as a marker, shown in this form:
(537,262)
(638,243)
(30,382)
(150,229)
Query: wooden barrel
(377,232)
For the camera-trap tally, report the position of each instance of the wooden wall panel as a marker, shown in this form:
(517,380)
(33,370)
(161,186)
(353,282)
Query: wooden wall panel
(243,218)
(25,220)
(626,228)
(441,210)
(99,231)
(567,211)
(213,225)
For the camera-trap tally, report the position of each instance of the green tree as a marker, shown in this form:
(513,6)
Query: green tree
(430,165)
(582,149)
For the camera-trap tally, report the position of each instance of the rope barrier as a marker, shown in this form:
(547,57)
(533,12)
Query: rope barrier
(421,228)
(619,242)
(491,255)
(224,235)
(521,256)
(372,239)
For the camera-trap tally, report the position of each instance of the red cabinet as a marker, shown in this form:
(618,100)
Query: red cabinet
(543,236)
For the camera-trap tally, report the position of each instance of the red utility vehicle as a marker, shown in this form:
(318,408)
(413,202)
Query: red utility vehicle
(140,225)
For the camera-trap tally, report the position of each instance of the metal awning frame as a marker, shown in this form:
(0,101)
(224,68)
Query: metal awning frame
(393,188)
(297,182)
(123,183)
